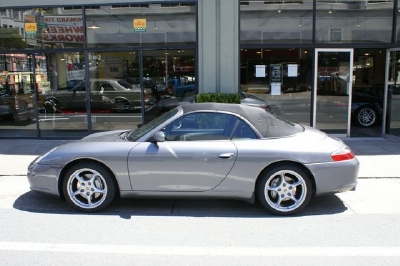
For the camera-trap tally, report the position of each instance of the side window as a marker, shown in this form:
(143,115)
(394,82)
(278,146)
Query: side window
(201,126)
(107,87)
(96,86)
(244,131)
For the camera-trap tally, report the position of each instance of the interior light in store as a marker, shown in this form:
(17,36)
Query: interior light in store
(94,26)
(366,53)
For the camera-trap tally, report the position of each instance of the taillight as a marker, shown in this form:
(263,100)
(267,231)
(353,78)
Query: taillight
(170,90)
(343,154)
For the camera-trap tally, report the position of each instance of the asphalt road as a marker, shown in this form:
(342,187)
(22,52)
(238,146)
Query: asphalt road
(354,228)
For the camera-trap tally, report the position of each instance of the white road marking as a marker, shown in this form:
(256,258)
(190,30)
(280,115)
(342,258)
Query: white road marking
(205,251)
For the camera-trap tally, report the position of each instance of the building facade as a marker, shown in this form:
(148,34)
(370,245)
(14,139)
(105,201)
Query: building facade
(70,70)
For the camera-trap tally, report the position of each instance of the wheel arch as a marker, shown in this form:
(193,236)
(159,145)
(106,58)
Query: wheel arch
(83,160)
(120,98)
(287,162)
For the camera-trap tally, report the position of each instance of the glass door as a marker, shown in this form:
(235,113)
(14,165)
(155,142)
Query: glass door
(333,87)
(392,125)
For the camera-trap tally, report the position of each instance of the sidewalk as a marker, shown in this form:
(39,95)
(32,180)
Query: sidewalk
(379,157)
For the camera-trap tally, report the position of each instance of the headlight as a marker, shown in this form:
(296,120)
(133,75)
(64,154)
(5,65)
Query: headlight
(39,158)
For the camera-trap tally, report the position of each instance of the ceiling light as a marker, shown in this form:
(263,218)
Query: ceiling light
(94,26)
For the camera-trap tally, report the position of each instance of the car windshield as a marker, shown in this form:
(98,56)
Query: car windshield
(137,133)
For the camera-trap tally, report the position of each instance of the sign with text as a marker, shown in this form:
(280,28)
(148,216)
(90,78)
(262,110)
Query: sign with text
(62,29)
(31,30)
(260,71)
(114,66)
(292,70)
(276,74)
(139,25)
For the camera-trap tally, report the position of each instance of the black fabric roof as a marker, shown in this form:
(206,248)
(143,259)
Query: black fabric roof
(269,125)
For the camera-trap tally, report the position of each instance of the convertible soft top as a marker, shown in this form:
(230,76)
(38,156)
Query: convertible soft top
(269,125)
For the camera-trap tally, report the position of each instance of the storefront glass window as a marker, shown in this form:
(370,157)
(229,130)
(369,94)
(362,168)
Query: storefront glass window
(141,25)
(354,21)
(280,77)
(66,88)
(276,22)
(41,28)
(18,89)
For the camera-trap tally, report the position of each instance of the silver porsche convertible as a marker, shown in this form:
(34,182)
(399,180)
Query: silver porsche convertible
(200,150)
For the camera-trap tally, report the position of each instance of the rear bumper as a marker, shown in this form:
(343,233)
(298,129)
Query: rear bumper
(335,177)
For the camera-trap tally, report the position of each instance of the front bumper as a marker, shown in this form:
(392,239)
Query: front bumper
(44,178)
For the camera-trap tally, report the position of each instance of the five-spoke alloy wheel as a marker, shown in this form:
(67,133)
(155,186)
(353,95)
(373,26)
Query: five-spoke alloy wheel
(88,187)
(284,189)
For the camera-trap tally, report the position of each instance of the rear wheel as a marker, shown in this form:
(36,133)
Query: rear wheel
(284,189)
(89,187)
(366,116)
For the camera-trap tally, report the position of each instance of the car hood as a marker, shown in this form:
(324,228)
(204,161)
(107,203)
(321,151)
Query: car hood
(107,136)
(98,146)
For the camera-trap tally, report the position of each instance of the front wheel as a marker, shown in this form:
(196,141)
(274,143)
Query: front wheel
(89,187)
(284,189)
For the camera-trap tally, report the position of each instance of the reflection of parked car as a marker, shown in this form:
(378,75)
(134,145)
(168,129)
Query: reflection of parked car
(366,107)
(177,88)
(106,95)
(168,103)
(17,106)
(200,150)
(180,83)
(123,95)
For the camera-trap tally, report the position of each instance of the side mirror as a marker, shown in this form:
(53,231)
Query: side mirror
(159,136)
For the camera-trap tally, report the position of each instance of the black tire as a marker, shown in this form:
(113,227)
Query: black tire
(366,116)
(89,187)
(121,105)
(52,105)
(284,189)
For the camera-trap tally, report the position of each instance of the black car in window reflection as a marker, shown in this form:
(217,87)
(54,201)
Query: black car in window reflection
(366,106)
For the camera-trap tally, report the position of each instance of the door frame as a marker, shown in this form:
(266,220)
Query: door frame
(349,84)
(386,123)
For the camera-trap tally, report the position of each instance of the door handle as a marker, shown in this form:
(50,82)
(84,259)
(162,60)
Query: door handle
(225,155)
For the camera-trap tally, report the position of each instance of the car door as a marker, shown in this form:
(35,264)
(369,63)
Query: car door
(196,156)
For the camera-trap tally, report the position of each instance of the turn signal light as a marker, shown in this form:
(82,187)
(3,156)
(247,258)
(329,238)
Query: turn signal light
(343,154)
